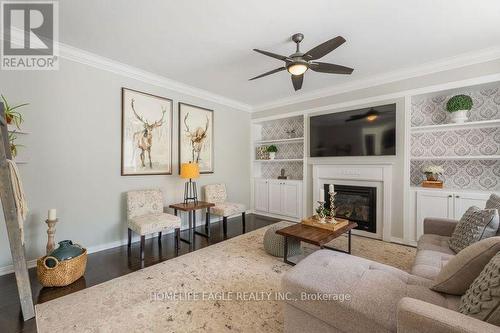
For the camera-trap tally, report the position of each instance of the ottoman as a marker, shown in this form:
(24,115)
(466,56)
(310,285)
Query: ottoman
(274,244)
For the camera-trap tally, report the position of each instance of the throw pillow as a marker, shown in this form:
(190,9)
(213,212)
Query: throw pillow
(494,203)
(458,274)
(475,224)
(482,299)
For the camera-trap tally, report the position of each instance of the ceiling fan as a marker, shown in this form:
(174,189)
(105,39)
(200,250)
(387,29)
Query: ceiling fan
(298,63)
(370,115)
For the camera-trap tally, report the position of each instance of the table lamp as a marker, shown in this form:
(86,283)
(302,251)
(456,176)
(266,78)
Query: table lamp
(190,171)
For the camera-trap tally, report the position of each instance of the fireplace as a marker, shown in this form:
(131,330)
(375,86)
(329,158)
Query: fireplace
(355,203)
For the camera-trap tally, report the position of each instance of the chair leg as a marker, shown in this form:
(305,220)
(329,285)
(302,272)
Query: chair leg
(177,240)
(143,240)
(243,221)
(224,225)
(159,238)
(129,237)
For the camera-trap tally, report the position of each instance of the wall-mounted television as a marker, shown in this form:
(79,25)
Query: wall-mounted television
(362,132)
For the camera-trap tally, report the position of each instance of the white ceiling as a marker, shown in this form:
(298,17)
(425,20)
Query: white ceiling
(208,44)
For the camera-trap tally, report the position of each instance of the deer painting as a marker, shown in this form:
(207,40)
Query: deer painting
(197,138)
(144,137)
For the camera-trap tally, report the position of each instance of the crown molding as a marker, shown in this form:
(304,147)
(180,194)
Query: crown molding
(91,59)
(97,61)
(461,60)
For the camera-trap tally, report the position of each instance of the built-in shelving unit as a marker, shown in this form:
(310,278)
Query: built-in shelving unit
(459,148)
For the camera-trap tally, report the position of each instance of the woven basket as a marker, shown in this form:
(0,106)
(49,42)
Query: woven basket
(64,273)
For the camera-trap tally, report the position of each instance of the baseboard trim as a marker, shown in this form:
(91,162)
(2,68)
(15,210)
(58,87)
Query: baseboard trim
(401,241)
(276,216)
(102,247)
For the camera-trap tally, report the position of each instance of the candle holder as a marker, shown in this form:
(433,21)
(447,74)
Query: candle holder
(332,207)
(51,231)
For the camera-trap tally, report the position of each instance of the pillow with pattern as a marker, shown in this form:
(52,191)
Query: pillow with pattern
(482,299)
(475,224)
(494,203)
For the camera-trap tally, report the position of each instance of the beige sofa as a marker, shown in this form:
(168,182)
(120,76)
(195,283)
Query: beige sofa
(382,298)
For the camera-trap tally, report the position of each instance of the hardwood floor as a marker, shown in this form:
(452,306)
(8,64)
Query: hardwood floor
(109,264)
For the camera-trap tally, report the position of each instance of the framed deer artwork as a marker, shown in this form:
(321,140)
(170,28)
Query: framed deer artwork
(196,136)
(146,134)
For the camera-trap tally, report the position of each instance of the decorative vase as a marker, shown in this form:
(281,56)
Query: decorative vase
(459,117)
(432,176)
(66,250)
(272,156)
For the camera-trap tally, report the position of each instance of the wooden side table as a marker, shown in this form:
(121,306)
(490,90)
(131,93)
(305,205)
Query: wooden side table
(191,209)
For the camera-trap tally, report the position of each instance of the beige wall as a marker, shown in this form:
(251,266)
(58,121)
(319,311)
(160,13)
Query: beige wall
(74,150)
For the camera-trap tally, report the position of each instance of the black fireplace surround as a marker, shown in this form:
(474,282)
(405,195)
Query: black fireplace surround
(355,203)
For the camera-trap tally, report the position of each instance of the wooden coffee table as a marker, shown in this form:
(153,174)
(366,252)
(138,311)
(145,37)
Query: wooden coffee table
(316,236)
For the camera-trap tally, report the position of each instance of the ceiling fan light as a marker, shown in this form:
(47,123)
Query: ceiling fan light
(297,69)
(371,117)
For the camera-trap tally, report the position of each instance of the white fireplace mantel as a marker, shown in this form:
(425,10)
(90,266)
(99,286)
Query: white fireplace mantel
(377,175)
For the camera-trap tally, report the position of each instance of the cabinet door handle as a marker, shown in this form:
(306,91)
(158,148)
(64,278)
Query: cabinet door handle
(450,196)
(457,196)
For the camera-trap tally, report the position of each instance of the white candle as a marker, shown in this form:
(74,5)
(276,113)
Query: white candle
(331,188)
(321,195)
(52,214)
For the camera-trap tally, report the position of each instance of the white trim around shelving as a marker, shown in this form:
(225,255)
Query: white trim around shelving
(456,158)
(451,127)
(290,140)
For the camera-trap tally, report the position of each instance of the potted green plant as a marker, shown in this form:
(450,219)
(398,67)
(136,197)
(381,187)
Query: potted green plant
(11,115)
(458,106)
(272,150)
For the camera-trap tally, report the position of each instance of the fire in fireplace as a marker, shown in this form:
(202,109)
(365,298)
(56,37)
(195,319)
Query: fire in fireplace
(355,203)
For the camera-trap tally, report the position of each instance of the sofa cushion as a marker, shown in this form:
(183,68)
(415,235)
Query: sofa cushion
(434,243)
(371,291)
(494,203)
(482,299)
(475,224)
(458,274)
(429,263)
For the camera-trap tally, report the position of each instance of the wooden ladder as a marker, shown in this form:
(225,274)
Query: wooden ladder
(13,231)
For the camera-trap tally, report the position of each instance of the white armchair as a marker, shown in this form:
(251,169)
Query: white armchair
(145,216)
(217,194)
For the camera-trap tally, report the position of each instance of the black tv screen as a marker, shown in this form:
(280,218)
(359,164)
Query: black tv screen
(362,132)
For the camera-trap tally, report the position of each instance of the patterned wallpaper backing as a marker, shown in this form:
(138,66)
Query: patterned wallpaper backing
(432,111)
(459,174)
(462,174)
(273,169)
(277,129)
(283,129)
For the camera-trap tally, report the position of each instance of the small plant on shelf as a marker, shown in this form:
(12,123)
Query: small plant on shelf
(432,172)
(458,106)
(272,150)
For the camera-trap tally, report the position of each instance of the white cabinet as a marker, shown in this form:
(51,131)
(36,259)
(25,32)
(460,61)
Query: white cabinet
(278,197)
(445,204)
(261,190)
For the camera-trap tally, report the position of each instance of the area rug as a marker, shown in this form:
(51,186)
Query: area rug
(227,287)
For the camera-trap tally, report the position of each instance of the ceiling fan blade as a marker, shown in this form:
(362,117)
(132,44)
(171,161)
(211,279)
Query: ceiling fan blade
(325,48)
(324,67)
(272,55)
(268,73)
(297,81)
